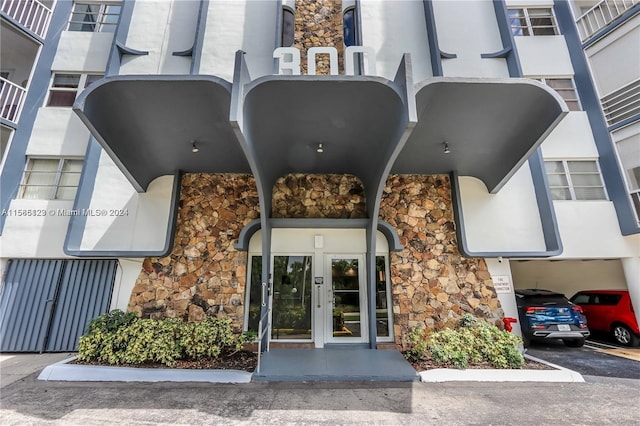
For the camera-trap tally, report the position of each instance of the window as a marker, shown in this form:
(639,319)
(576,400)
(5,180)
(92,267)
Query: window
(530,21)
(94,17)
(51,179)
(575,180)
(629,156)
(349,26)
(288,27)
(566,89)
(64,87)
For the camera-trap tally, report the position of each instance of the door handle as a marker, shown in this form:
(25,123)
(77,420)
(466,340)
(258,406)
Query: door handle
(319,295)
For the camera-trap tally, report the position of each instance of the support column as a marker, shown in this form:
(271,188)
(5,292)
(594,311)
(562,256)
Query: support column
(631,267)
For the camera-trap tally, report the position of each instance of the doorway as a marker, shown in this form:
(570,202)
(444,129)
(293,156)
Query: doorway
(318,287)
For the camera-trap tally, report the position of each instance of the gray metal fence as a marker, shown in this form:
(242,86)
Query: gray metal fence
(45,305)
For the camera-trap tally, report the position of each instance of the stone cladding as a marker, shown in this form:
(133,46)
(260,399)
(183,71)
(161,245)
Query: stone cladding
(318,24)
(204,274)
(431,283)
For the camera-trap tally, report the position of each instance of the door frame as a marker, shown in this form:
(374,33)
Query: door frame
(328,299)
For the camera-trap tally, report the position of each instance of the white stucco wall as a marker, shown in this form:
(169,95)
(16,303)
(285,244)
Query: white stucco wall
(161,28)
(128,271)
(134,221)
(83,51)
(475,32)
(239,25)
(58,131)
(615,60)
(544,56)
(39,236)
(572,138)
(395,28)
(506,221)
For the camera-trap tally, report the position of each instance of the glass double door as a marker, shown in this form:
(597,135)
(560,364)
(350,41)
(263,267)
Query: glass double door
(329,307)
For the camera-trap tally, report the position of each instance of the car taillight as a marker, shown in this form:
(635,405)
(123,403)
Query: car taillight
(534,309)
(578,309)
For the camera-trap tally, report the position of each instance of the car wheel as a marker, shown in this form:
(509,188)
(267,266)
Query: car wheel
(574,343)
(624,336)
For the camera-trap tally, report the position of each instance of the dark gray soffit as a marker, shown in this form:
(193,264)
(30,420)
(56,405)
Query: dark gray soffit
(147,123)
(491,127)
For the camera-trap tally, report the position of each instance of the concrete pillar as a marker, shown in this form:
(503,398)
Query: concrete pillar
(631,267)
(500,271)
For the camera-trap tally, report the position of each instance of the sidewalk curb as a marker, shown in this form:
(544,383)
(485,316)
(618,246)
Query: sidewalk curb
(62,371)
(560,374)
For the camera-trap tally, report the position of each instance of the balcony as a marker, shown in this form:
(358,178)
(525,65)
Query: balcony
(601,15)
(622,104)
(33,15)
(11,100)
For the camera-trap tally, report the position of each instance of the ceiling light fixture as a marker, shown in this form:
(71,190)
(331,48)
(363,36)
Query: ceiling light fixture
(446,148)
(194,147)
(320,148)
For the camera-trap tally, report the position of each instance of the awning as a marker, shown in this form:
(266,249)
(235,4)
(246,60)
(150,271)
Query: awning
(148,123)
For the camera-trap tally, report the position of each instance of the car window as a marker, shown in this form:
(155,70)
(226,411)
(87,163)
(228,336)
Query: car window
(607,299)
(580,299)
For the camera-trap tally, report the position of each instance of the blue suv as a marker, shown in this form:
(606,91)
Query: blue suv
(545,314)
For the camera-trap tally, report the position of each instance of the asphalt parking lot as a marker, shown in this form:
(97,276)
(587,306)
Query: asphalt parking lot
(598,357)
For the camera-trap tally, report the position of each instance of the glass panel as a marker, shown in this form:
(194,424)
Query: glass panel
(288,28)
(559,83)
(560,193)
(558,180)
(518,22)
(69,179)
(586,179)
(382,310)
(349,27)
(61,98)
(582,166)
(255,298)
(554,166)
(110,19)
(346,298)
(291,297)
(589,193)
(66,80)
(91,78)
(39,179)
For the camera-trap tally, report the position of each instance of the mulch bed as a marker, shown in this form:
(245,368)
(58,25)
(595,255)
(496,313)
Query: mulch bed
(246,361)
(242,360)
(428,364)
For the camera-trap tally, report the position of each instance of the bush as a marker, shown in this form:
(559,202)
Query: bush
(473,341)
(118,338)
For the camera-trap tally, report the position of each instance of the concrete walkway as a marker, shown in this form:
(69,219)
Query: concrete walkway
(334,365)
(14,367)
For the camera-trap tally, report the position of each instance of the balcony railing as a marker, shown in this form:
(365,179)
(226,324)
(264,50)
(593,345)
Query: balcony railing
(31,14)
(601,15)
(622,104)
(11,100)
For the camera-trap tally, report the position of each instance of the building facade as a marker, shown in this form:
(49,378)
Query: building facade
(327,172)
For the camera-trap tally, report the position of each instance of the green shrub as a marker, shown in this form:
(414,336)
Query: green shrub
(118,338)
(473,341)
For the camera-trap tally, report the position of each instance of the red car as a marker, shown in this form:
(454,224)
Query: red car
(610,311)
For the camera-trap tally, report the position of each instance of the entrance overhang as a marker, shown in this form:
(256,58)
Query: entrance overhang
(148,124)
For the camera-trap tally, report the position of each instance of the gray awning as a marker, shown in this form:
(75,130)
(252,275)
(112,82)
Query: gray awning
(147,123)
(491,127)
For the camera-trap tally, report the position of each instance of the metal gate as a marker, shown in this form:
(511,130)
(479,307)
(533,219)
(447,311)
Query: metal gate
(45,305)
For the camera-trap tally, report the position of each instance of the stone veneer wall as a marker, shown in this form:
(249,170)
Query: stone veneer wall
(203,272)
(318,23)
(318,196)
(431,283)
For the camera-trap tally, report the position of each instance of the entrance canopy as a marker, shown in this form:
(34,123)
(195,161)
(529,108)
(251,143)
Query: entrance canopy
(361,125)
